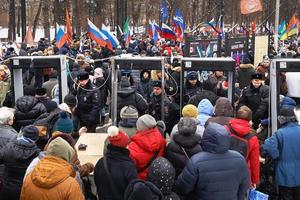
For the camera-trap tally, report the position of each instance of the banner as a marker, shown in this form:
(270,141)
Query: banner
(250,6)
(260,48)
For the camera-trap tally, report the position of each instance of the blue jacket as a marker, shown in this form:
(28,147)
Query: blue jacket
(217,172)
(205,111)
(284,146)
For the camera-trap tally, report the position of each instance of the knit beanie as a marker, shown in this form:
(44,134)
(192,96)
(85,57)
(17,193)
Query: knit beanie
(129,112)
(145,122)
(190,111)
(60,148)
(64,124)
(187,126)
(117,137)
(70,100)
(31,132)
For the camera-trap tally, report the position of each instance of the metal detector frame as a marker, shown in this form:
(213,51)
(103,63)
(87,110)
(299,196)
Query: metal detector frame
(138,63)
(277,66)
(211,64)
(39,62)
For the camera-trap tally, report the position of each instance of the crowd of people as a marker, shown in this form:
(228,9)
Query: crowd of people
(211,148)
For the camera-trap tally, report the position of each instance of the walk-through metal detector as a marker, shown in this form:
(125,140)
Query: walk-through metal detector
(277,66)
(38,62)
(136,63)
(211,64)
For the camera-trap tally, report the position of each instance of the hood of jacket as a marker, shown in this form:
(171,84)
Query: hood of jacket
(240,126)
(215,139)
(246,66)
(24,150)
(205,111)
(126,92)
(50,172)
(25,104)
(223,107)
(288,102)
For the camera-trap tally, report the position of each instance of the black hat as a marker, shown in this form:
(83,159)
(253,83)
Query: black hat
(31,132)
(156,84)
(29,90)
(41,91)
(70,100)
(83,75)
(257,76)
(192,75)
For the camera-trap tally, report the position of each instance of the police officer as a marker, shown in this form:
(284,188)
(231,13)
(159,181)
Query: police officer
(256,97)
(88,98)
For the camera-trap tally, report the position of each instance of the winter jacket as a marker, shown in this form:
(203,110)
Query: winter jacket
(244,75)
(143,146)
(205,111)
(242,128)
(283,146)
(199,131)
(180,146)
(145,87)
(217,172)
(4,88)
(52,178)
(103,89)
(122,171)
(139,189)
(49,85)
(16,156)
(191,90)
(47,102)
(203,94)
(28,109)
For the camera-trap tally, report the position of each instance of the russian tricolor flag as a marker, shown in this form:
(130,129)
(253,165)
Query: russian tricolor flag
(112,40)
(61,37)
(167,32)
(96,35)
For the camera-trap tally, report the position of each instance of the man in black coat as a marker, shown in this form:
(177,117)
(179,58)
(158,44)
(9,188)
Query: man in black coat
(256,97)
(16,157)
(217,172)
(89,106)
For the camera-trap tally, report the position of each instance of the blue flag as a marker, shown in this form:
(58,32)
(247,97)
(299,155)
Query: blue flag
(164,11)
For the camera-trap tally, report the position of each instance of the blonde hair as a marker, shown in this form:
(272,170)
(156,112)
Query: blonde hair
(6,114)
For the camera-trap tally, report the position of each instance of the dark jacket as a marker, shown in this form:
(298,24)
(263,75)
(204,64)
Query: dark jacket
(244,75)
(103,88)
(122,171)
(88,106)
(176,149)
(16,157)
(145,87)
(47,102)
(128,96)
(191,90)
(138,189)
(28,109)
(203,94)
(216,173)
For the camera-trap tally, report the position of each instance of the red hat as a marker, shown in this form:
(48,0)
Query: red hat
(117,137)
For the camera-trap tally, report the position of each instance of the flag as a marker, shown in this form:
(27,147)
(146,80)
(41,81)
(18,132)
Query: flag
(253,25)
(179,25)
(126,31)
(28,37)
(61,37)
(282,32)
(69,27)
(164,11)
(96,35)
(167,32)
(112,41)
(293,26)
(154,33)
(250,6)
(208,25)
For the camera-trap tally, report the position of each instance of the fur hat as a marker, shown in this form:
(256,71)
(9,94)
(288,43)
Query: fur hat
(256,76)
(145,122)
(82,75)
(117,137)
(156,84)
(190,111)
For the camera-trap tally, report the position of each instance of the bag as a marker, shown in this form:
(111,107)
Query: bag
(257,195)
(45,125)
(240,144)
(88,194)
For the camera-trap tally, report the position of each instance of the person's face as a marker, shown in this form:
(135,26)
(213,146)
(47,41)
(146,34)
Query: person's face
(2,73)
(193,82)
(145,75)
(168,66)
(256,83)
(159,74)
(157,91)
(298,50)
(83,82)
(219,73)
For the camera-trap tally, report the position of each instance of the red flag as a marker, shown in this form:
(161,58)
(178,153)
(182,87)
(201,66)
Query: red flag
(253,25)
(28,37)
(250,6)
(69,27)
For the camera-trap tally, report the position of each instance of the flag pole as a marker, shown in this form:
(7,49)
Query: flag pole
(276,25)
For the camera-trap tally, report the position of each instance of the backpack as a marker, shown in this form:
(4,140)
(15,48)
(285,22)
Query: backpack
(45,125)
(239,144)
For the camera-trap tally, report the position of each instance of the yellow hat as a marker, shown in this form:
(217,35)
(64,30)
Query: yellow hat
(190,111)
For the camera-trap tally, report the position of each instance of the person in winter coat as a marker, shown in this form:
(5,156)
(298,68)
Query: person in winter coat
(184,144)
(162,175)
(223,112)
(88,98)
(256,97)
(244,73)
(146,145)
(51,83)
(16,156)
(28,109)
(205,93)
(115,170)
(205,111)
(283,147)
(217,172)
(5,83)
(53,177)
(41,95)
(192,85)
(139,189)
(241,127)
(145,87)
(129,96)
